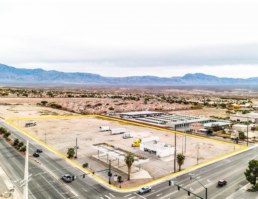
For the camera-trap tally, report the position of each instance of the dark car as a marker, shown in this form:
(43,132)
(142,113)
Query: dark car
(144,190)
(39,151)
(36,155)
(67,178)
(222,183)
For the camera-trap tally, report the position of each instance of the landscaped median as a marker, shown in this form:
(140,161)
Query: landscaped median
(58,133)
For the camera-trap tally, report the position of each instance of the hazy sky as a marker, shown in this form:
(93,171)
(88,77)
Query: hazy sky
(132,37)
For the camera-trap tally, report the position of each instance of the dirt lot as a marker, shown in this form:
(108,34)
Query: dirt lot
(205,112)
(61,134)
(26,110)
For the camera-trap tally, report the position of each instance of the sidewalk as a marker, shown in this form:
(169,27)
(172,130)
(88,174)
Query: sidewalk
(6,186)
(243,193)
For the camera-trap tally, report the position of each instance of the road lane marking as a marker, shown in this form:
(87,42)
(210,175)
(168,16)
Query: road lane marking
(53,187)
(140,196)
(159,195)
(107,197)
(127,195)
(111,195)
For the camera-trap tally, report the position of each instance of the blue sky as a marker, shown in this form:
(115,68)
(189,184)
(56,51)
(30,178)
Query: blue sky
(132,37)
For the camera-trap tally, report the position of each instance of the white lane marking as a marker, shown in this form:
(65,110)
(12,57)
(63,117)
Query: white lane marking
(132,197)
(159,195)
(85,190)
(72,197)
(53,187)
(127,195)
(111,195)
(107,197)
(168,194)
(140,196)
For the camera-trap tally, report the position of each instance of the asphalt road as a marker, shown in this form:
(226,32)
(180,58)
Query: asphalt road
(46,172)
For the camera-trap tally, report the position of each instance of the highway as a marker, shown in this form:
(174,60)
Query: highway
(46,172)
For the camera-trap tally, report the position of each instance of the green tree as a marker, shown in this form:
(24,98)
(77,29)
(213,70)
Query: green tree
(2,130)
(209,132)
(70,152)
(180,160)
(129,160)
(7,134)
(16,142)
(20,145)
(251,173)
(23,149)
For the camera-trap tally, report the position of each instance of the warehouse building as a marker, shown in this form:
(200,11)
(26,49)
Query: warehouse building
(174,121)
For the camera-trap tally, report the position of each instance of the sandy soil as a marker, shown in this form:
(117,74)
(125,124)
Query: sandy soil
(26,110)
(61,134)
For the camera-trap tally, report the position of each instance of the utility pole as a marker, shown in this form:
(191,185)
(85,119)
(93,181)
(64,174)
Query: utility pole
(26,173)
(76,147)
(175,152)
(247,139)
(109,172)
(197,157)
(45,137)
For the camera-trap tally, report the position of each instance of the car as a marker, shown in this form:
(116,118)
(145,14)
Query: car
(222,183)
(36,155)
(144,190)
(39,151)
(67,178)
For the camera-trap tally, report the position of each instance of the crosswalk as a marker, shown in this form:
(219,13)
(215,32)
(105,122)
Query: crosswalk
(128,196)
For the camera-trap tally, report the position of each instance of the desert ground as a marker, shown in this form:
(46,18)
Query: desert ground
(98,105)
(62,133)
(26,110)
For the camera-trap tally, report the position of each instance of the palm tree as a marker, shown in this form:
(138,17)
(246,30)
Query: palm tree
(180,160)
(129,160)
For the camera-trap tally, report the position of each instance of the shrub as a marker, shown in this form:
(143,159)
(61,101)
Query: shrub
(85,165)
(242,135)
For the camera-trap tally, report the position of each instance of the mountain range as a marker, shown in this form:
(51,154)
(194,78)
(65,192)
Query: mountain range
(20,76)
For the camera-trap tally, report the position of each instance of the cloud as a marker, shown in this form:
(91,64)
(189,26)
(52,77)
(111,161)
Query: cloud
(130,37)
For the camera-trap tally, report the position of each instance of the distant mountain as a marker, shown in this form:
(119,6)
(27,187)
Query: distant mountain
(20,76)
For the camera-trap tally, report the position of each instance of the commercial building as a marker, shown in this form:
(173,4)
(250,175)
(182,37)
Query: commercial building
(249,117)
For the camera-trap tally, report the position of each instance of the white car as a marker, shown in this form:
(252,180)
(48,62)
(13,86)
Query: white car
(144,190)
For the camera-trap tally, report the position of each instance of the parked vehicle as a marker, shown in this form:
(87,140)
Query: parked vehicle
(144,190)
(136,143)
(127,135)
(222,183)
(104,128)
(117,131)
(31,123)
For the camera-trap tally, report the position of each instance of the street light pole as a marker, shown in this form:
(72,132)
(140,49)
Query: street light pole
(76,146)
(175,152)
